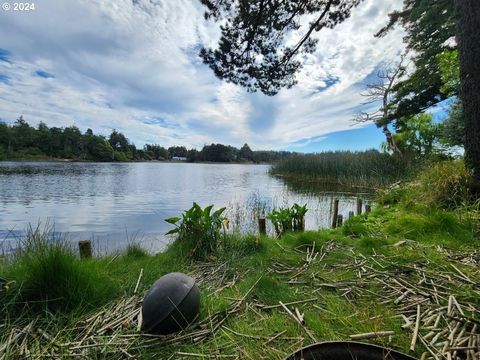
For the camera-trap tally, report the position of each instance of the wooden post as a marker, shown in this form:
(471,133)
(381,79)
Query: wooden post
(359,206)
(335,214)
(302,224)
(340,220)
(262,226)
(351,214)
(85,247)
(368,208)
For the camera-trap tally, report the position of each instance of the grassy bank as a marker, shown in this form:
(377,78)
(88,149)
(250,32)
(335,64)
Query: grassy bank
(352,169)
(416,249)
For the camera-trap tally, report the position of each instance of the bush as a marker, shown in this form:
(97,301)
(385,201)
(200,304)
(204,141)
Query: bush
(445,184)
(199,229)
(49,275)
(391,195)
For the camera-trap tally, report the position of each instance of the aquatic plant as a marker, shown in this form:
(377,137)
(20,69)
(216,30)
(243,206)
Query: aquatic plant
(199,229)
(288,219)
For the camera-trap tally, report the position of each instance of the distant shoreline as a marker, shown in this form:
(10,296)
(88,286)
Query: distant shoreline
(59,160)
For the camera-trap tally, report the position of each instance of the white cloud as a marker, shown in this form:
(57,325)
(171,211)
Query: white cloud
(122,65)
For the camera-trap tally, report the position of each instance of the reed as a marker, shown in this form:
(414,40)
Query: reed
(366,168)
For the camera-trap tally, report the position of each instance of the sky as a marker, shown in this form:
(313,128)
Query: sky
(133,65)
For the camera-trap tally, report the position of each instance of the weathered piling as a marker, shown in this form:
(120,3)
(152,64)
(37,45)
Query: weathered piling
(85,248)
(262,226)
(351,214)
(302,224)
(359,206)
(335,213)
(340,220)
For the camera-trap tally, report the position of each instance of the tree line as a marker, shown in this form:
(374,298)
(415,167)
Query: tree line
(20,140)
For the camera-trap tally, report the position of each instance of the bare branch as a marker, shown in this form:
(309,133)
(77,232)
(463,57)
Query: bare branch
(381,91)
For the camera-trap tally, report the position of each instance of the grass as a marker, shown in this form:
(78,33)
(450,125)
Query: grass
(265,269)
(349,169)
(50,276)
(135,251)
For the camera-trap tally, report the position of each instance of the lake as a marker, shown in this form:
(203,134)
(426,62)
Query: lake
(117,203)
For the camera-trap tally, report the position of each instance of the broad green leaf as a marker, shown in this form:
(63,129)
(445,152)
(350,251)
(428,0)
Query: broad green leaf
(218,212)
(207,210)
(172,220)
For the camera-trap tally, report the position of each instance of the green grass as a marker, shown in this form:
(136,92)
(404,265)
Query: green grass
(135,251)
(50,276)
(270,268)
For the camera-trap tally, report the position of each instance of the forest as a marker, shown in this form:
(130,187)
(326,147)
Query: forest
(21,141)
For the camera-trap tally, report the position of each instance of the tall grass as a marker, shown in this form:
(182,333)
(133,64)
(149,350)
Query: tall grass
(362,169)
(48,275)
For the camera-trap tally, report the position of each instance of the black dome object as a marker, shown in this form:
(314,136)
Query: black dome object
(347,350)
(171,304)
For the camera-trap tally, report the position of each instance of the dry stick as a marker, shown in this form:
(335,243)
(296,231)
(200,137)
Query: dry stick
(428,348)
(287,304)
(299,316)
(139,321)
(16,337)
(415,331)
(298,321)
(465,277)
(192,354)
(138,281)
(457,305)
(371,335)
(275,337)
(244,335)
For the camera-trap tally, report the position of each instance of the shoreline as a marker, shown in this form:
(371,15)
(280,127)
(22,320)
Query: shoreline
(57,160)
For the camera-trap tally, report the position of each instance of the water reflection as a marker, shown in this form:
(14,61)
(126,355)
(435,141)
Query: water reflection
(113,203)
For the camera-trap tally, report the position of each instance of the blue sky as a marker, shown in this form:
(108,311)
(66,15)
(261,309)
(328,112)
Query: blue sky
(133,66)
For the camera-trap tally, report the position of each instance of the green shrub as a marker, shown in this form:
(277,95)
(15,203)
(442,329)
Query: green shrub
(445,184)
(199,229)
(391,195)
(288,219)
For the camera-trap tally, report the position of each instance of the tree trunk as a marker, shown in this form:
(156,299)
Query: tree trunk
(390,142)
(468,38)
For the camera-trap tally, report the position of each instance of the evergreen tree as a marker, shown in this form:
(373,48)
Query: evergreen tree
(245,153)
(252,50)
(430,27)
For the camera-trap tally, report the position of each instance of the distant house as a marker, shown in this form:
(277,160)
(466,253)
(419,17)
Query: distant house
(179,158)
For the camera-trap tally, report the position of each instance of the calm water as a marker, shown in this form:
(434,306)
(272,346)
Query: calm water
(115,204)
